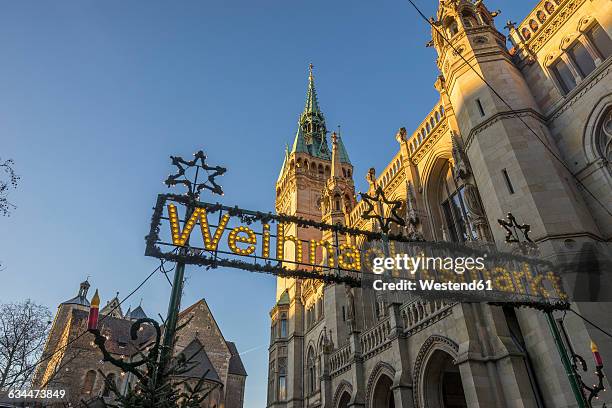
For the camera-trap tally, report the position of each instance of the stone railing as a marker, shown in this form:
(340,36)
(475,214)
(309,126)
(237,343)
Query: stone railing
(340,359)
(375,339)
(420,313)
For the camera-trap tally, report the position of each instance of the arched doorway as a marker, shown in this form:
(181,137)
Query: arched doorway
(382,397)
(442,382)
(344,400)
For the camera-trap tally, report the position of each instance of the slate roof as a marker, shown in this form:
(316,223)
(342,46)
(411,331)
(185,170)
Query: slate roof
(199,362)
(77,300)
(235,364)
(136,314)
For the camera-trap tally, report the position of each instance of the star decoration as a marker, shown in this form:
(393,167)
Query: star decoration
(513,228)
(371,213)
(199,162)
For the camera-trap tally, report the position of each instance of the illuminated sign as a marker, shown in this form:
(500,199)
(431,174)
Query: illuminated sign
(214,235)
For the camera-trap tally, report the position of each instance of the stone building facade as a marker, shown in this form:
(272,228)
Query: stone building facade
(75,363)
(521,130)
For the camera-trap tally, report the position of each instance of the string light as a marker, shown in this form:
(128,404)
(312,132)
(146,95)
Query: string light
(180,238)
(211,243)
(265,253)
(249,239)
(352,253)
(556,283)
(325,244)
(280,243)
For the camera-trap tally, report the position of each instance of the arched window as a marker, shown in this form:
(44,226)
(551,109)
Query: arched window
(457,227)
(321,172)
(283,326)
(451,27)
(582,58)
(601,40)
(526,33)
(549,7)
(437,116)
(337,203)
(541,16)
(604,145)
(427,128)
(311,368)
(282,378)
(111,378)
(432,122)
(89,381)
(533,25)
(469,19)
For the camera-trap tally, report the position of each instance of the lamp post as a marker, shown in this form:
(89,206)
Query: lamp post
(193,194)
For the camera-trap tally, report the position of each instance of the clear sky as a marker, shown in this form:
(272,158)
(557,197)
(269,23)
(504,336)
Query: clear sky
(94,97)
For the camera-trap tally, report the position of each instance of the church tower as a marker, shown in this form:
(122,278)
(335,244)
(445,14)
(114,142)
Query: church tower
(501,127)
(315,182)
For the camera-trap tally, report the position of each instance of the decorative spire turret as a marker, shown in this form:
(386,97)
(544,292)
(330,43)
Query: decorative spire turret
(311,136)
(336,168)
(312,104)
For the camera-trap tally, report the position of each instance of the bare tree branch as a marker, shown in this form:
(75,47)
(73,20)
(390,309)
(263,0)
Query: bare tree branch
(6,183)
(24,328)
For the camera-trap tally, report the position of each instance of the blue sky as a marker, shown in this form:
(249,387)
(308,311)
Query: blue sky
(94,97)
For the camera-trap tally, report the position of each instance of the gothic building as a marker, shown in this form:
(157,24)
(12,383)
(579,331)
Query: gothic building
(75,363)
(526,130)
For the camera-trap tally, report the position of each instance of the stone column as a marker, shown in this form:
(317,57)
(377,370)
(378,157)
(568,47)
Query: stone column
(402,383)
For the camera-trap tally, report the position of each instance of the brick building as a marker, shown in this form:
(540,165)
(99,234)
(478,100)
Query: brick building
(74,365)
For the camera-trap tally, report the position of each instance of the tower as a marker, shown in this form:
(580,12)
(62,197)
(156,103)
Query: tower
(315,182)
(506,140)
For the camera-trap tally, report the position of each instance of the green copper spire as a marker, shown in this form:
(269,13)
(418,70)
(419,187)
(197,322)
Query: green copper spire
(311,135)
(312,104)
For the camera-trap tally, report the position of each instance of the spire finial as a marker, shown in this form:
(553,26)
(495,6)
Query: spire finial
(310,67)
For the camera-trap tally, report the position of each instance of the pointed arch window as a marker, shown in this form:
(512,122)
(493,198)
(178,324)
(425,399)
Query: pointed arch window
(89,381)
(311,371)
(469,19)
(457,226)
(282,378)
(605,138)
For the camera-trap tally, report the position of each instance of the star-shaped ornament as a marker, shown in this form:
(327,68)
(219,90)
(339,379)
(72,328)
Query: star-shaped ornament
(199,163)
(371,213)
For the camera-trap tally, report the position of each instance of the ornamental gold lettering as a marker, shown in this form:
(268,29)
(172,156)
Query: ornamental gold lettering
(265,249)
(281,238)
(179,238)
(348,257)
(211,242)
(249,239)
(329,251)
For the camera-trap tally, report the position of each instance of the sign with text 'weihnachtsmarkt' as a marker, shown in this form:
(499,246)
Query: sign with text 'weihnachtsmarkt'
(214,235)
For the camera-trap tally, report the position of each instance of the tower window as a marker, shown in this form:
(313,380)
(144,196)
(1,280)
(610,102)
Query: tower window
(580,55)
(283,326)
(480,108)
(564,76)
(90,379)
(508,181)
